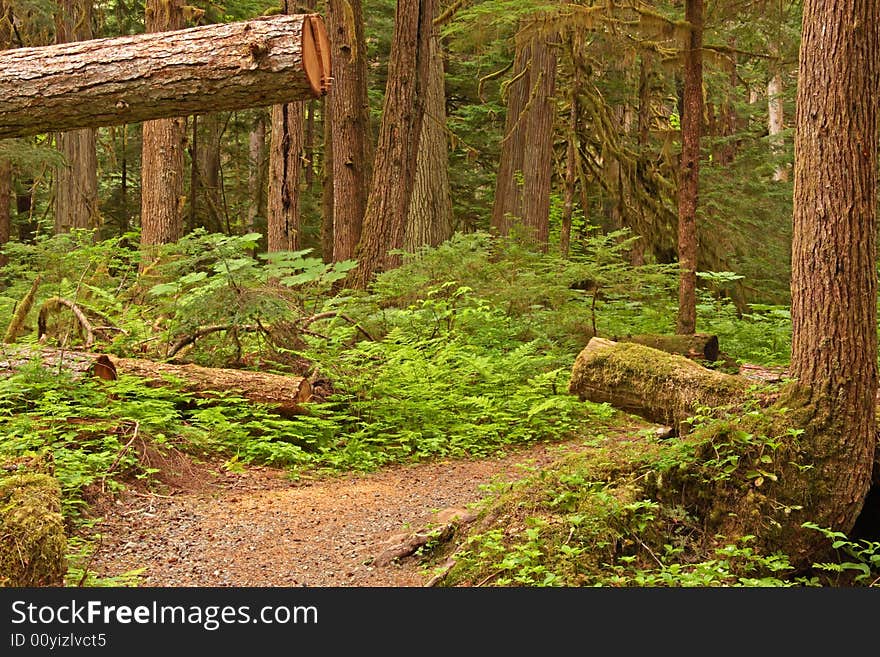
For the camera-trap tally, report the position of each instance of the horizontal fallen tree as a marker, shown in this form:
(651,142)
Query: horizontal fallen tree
(701,346)
(284,394)
(209,68)
(658,386)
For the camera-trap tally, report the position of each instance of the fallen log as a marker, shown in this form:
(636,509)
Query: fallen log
(209,68)
(660,387)
(702,346)
(284,394)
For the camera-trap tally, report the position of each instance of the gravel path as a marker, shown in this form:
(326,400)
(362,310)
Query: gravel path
(260,528)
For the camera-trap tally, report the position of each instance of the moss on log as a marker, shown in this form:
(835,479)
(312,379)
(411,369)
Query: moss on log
(33,545)
(658,386)
(701,346)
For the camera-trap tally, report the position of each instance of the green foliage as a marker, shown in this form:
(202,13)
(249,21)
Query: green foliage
(858,559)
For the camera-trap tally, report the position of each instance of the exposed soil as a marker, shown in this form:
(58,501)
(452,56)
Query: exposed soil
(259,527)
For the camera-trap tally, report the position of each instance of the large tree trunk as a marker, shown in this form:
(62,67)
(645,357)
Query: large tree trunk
(348,113)
(76,180)
(5,165)
(285,394)
(430,209)
(691,128)
(833,283)
(209,68)
(658,386)
(162,156)
(396,153)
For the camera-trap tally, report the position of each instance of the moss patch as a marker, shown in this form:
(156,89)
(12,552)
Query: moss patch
(33,545)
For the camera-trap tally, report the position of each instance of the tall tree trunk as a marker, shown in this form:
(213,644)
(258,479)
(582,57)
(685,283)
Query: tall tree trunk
(76,181)
(5,165)
(210,180)
(327,189)
(285,167)
(430,210)
(691,129)
(257,173)
(834,275)
(522,191)
(5,206)
(396,152)
(162,151)
(349,116)
(775,118)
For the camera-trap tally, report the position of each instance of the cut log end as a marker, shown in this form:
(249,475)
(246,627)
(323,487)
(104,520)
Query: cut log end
(316,54)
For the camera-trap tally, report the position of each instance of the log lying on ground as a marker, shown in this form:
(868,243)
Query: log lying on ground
(284,394)
(210,68)
(698,346)
(660,387)
(34,546)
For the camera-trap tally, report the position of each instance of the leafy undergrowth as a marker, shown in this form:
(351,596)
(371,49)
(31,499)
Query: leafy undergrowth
(465,350)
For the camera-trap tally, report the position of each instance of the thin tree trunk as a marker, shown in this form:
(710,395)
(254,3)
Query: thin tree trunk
(691,128)
(396,153)
(257,173)
(349,117)
(834,275)
(5,206)
(327,189)
(208,158)
(285,167)
(162,151)
(430,210)
(210,68)
(571,167)
(76,181)
(775,120)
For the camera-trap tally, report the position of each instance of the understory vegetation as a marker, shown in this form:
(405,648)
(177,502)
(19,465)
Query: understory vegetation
(464,351)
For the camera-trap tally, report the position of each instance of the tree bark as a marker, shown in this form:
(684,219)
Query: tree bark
(258,178)
(76,180)
(430,210)
(775,118)
(691,129)
(162,151)
(658,386)
(349,119)
(396,152)
(5,206)
(210,185)
(285,167)
(834,276)
(140,77)
(327,213)
(285,394)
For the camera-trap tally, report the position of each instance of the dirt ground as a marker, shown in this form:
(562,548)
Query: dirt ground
(258,527)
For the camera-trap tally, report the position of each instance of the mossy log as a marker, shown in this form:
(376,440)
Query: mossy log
(699,346)
(658,386)
(284,394)
(33,545)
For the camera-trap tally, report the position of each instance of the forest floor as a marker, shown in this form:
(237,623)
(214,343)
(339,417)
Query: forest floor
(257,526)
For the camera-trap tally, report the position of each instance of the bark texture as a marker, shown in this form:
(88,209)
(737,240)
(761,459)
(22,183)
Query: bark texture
(285,167)
(522,193)
(209,68)
(689,171)
(701,346)
(5,206)
(833,285)
(76,181)
(257,174)
(162,151)
(349,116)
(430,209)
(396,152)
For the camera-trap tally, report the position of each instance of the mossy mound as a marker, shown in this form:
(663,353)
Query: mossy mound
(33,545)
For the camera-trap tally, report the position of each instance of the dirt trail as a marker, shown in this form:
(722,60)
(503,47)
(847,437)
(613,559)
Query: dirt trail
(260,528)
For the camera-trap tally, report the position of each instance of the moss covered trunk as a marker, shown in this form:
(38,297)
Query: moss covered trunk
(661,387)
(33,545)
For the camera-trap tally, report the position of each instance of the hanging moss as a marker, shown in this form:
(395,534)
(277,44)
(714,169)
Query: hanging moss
(32,539)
